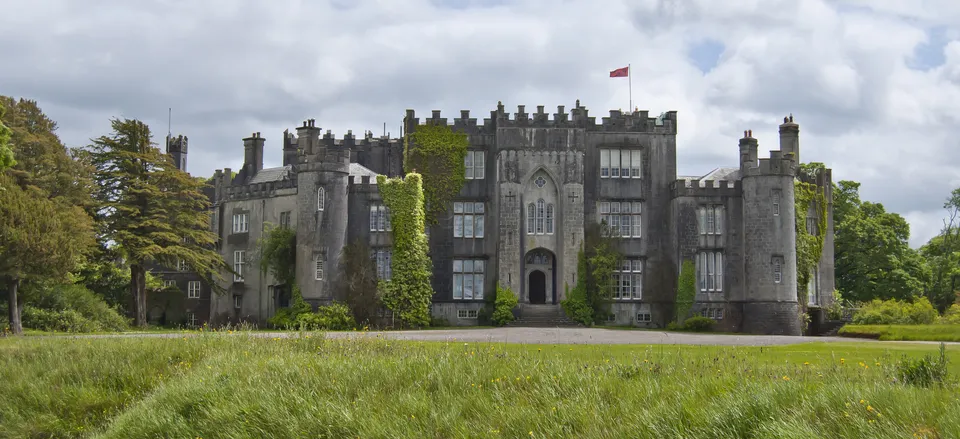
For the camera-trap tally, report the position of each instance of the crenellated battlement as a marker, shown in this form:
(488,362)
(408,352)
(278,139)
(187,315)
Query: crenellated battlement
(692,187)
(363,184)
(577,118)
(258,190)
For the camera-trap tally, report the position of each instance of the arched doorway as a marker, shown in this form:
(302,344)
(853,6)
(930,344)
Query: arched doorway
(538,287)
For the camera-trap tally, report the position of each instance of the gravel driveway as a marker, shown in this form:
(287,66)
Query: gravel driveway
(546,336)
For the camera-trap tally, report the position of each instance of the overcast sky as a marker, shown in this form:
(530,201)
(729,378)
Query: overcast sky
(874,84)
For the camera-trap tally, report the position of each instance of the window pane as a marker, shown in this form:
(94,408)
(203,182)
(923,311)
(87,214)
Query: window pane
(637,265)
(373,218)
(710,271)
(615,207)
(467,286)
(702,220)
(719,222)
(636,207)
(477,207)
(478,226)
(625,163)
(604,162)
(625,226)
(381,218)
(467,207)
(457,265)
(604,207)
(616,286)
(530,218)
(467,226)
(478,286)
(637,286)
(478,163)
(478,266)
(636,226)
(615,163)
(457,286)
(550,218)
(457,207)
(719,271)
(468,266)
(458,226)
(710,220)
(635,163)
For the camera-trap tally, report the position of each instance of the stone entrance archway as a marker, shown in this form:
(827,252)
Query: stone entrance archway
(537,282)
(540,268)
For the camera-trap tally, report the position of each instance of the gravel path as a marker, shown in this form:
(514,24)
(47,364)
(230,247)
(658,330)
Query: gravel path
(546,336)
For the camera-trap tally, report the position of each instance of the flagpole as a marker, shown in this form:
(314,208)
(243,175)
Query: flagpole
(630,85)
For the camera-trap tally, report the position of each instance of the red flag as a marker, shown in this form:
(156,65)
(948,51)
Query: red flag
(620,73)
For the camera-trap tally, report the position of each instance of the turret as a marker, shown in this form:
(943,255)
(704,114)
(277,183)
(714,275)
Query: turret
(769,242)
(790,138)
(253,154)
(177,148)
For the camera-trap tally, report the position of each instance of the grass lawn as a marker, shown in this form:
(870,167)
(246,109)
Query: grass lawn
(903,332)
(238,386)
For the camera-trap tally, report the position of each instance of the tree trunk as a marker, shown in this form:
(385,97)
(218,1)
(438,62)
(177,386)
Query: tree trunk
(15,308)
(138,287)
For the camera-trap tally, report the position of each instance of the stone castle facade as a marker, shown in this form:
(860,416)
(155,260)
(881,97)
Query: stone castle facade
(535,183)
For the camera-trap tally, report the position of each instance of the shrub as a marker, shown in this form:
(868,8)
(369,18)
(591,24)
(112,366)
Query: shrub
(333,317)
(835,310)
(576,306)
(895,312)
(699,324)
(286,318)
(86,303)
(951,316)
(923,372)
(67,320)
(503,306)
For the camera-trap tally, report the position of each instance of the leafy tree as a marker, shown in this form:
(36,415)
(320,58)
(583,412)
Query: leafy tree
(942,253)
(6,154)
(873,259)
(277,254)
(51,166)
(359,281)
(40,238)
(151,210)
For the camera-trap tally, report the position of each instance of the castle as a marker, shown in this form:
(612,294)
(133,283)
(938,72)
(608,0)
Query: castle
(534,183)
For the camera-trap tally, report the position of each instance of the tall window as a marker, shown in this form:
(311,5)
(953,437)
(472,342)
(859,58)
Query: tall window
(384,258)
(710,271)
(468,279)
(812,225)
(285,219)
(239,223)
(169,284)
(474,162)
(621,218)
(380,218)
(550,219)
(237,302)
(193,289)
(321,199)
(318,268)
(777,269)
(467,220)
(192,319)
(239,258)
(181,265)
(628,280)
(621,163)
(710,220)
(776,202)
(540,218)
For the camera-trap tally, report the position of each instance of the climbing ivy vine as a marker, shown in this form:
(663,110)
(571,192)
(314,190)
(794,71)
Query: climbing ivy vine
(437,155)
(686,290)
(408,293)
(809,246)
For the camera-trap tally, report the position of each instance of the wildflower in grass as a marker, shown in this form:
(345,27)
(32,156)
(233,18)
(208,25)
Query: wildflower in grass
(786,378)
(806,363)
(842,360)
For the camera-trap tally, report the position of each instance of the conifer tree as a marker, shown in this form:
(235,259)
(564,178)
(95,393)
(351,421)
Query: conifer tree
(6,154)
(152,211)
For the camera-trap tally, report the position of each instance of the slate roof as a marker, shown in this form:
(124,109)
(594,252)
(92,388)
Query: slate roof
(271,174)
(727,174)
(357,170)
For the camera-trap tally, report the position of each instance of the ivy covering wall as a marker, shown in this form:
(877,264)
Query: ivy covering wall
(408,293)
(686,290)
(809,246)
(437,153)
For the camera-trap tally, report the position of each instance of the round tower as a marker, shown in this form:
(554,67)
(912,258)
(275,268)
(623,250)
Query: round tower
(769,244)
(322,184)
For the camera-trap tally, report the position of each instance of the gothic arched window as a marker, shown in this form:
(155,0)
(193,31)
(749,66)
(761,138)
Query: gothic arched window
(550,219)
(540,214)
(530,218)
(320,199)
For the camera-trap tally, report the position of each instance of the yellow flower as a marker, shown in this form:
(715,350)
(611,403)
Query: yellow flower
(786,378)
(806,363)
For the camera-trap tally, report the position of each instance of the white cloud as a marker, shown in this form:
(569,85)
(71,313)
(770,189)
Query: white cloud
(229,68)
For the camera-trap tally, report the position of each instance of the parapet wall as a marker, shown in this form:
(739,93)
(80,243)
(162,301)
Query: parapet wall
(257,190)
(363,184)
(705,188)
(578,117)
